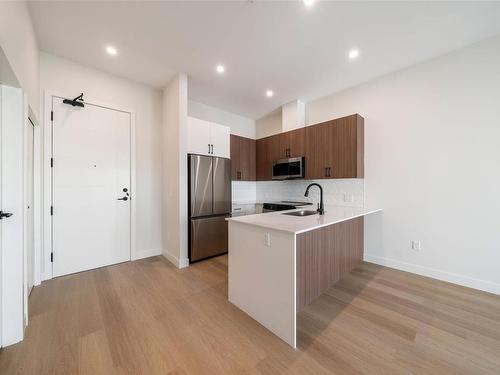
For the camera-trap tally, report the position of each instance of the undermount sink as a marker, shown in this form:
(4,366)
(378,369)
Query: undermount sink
(301,213)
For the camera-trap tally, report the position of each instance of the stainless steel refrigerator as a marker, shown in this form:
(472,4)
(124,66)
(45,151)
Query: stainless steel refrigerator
(209,200)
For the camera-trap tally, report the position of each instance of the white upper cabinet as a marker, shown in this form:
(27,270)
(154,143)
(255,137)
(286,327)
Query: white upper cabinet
(206,138)
(220,139)
(198,136)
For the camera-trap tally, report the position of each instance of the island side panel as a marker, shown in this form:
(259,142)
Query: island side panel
(324,255)
(261,278)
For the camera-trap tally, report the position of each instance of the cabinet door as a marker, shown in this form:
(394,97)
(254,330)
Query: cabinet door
(319,144)
(268,151)
(335,149)
(235,157)
(348,156)
(292,143)
(220,140)
(296,142)
(247,159)
(198,136)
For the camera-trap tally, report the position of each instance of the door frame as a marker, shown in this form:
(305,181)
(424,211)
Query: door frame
(29,122)
(46,269)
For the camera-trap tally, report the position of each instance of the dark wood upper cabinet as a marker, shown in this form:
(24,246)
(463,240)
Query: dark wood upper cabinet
(235,156)
(268,151)
(335,149)
(243,158)
(332,149)
(292,143)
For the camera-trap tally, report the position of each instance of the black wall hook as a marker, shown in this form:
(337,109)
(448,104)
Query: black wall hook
(76,102)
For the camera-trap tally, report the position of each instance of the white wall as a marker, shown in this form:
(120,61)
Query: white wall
(174,190)
(239,125)
(432,136)
(18,41)
(71,78)
(268,125)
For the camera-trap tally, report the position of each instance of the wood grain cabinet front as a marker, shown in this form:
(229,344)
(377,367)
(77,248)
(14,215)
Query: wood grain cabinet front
(243,158)
(332,149)
(335,149)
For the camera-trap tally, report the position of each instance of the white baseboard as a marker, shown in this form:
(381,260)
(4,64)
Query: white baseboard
(146,253)
(486,286)
(179,263)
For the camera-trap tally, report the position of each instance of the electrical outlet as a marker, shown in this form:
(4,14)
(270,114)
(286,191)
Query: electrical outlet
(267,239)
(415,245)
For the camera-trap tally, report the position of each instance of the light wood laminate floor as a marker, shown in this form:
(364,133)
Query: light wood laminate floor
(146,317)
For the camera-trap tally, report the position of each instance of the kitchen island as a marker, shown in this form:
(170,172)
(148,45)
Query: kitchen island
(280,263)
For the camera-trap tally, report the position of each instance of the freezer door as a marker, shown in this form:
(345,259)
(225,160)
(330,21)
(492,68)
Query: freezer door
(200,185)
(208,237)
(222,186)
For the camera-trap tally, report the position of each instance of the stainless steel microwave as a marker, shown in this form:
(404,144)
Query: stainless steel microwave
(287,169)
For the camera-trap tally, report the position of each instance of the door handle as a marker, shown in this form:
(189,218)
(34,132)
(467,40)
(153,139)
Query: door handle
(123,199)
(5,214)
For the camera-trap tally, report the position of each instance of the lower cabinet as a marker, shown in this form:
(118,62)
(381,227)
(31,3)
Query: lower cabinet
(243,158)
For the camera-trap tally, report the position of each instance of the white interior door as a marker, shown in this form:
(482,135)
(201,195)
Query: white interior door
(91,172)
(12,119)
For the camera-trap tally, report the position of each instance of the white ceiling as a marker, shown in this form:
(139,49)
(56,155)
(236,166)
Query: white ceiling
(298,52)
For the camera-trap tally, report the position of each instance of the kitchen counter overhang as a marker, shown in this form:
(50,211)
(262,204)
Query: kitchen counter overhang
(300,224)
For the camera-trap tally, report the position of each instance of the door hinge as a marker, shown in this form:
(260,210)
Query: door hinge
(51,162)
(51,210)
(51,257)
(51,115)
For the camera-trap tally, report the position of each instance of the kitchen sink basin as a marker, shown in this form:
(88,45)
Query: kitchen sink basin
(301,213)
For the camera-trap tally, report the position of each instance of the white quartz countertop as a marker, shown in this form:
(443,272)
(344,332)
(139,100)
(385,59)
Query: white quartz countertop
(299,224)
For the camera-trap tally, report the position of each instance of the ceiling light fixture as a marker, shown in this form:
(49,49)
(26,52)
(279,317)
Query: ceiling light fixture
(308,3)
(269,93)
(354,53)
(111,50)
(220,69)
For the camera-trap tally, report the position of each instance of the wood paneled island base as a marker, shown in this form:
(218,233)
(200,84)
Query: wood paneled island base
(324,256)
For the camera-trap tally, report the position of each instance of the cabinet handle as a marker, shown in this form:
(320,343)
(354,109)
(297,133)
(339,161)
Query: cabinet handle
(212,149)
(209,148)
(326,172)
(329,172)
(238,175)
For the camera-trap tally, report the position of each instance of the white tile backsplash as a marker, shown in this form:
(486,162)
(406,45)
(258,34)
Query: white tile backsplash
(244,191)
(345,192)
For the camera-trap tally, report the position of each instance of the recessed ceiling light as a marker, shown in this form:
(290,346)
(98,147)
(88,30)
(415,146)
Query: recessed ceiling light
(269,93)
(111,50)
(354,53)
(308,3)
(220,69)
